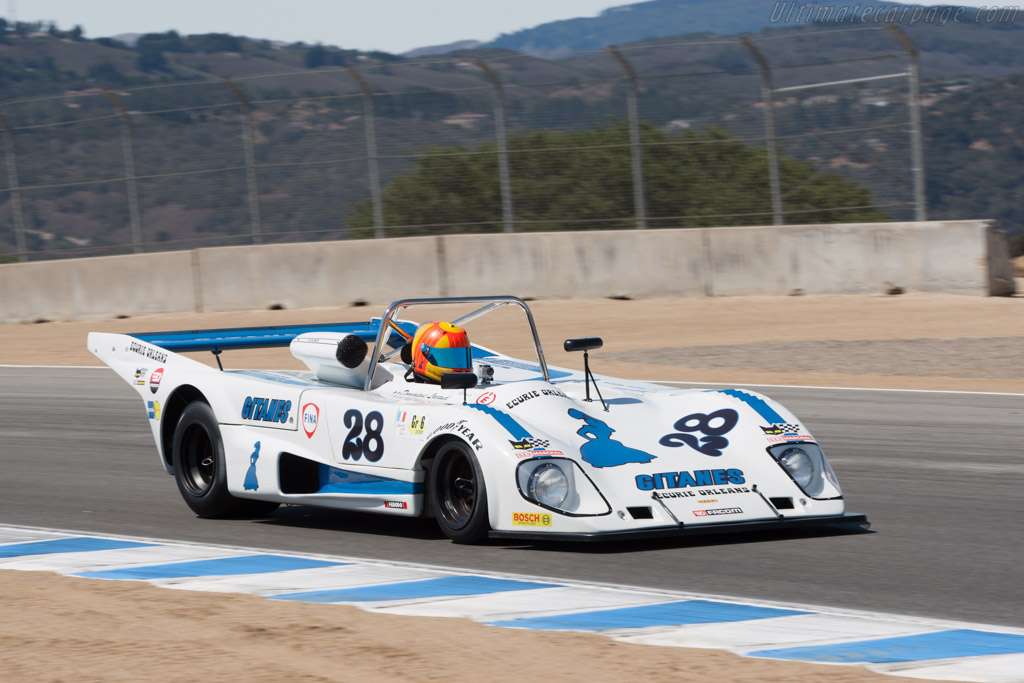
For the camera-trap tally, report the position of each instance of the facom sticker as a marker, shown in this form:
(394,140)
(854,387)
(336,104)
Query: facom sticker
(717,511)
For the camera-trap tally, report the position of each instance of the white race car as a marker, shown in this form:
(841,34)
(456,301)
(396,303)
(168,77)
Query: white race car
(423,423)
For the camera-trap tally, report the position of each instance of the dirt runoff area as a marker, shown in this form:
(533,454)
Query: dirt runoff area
(910,341)
(57,628)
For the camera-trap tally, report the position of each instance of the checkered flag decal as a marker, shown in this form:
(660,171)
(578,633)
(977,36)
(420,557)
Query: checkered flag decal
(781,428)
(539,444)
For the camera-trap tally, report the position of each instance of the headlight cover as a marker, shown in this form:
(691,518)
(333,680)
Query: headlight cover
(559,485)
(807,466)
(548,485)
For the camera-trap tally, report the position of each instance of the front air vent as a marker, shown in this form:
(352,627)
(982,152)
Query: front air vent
(642,513)
(782,503)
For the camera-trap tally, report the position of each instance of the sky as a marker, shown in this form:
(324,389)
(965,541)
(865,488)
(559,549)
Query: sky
(390,25)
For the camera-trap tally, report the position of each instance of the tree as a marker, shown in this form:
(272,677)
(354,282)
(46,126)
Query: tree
(316,56)
(583,180)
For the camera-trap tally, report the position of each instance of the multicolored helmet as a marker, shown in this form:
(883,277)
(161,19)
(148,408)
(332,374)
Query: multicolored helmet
(440,347)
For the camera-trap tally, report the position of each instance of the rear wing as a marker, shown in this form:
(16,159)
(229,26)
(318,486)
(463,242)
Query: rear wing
(228,338)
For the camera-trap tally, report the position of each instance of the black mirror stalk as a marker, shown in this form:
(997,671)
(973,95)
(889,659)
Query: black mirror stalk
(585,344)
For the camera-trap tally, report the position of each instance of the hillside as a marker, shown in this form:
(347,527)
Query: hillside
(310,146)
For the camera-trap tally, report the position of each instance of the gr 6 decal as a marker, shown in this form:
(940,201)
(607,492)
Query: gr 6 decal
(714,440)
(370,446)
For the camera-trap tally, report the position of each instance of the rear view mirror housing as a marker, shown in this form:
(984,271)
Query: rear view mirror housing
(583,344)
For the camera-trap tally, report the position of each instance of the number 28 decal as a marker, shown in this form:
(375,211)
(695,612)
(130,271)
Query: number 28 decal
(370,446)
(713,440)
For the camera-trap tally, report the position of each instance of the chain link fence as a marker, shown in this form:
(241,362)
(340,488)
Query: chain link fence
(787,127)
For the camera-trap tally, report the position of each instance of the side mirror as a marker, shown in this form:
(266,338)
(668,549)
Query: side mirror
(583,344)
(458,380)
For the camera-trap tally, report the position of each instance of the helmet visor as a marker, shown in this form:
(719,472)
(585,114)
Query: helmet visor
(455,359)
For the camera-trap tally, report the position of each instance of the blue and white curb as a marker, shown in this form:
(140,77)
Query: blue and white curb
(903,646)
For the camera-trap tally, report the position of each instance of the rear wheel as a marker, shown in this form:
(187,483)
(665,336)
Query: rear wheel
(458,494)
(198,456)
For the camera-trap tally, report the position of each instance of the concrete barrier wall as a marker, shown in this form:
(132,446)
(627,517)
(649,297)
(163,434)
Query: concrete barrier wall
(961,257)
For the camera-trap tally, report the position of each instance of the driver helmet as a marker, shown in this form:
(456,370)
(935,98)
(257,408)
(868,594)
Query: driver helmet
(440,347)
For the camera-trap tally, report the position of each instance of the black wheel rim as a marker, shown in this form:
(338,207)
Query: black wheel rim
(198,460)
(458,489)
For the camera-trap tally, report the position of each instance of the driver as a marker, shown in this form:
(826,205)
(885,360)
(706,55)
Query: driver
(440,347)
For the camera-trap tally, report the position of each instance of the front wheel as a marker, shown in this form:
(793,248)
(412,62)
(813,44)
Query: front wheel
(198,456)
(458,494)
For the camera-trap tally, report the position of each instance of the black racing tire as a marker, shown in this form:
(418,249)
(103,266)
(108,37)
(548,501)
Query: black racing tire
(197,453)
(458,494)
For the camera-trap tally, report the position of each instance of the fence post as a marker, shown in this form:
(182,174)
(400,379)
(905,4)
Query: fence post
(250,160)
(370,126)
(129,171)
(15,190)
(504,179)
(914,105)
(639,199)
(769,131)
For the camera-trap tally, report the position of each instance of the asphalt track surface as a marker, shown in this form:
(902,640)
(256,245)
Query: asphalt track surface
(940,476)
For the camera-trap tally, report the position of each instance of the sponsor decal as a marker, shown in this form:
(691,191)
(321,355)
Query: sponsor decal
(530,444)
(310,419)
(714,426)
(251,483)
(781,428)
(486,398)
(531,395)
(789,437)
(266,409)
(531,519)
(154,409)
(421,394)
(140,376)
(147,352)
(460,428)
(684,479)
(536,454)
(784,431)
(409,426)
(717,511)
(708,500)
(155,379)
(395,504)
(601,450)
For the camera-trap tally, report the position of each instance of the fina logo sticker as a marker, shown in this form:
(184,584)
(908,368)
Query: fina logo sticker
(310,418)
(155,379)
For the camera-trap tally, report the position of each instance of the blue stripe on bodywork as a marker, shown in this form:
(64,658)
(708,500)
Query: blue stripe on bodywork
(520,365)
(665,614)
(758,404)
(334,480)
(408,590)
(505,420)
(257,337)
(941,645)
(79,544)
(244,564)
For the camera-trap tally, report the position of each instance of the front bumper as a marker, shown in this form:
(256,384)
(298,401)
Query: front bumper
(848,519)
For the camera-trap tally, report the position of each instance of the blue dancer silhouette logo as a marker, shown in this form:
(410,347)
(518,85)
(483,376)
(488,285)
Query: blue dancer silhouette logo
(601,450)
(251,483)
